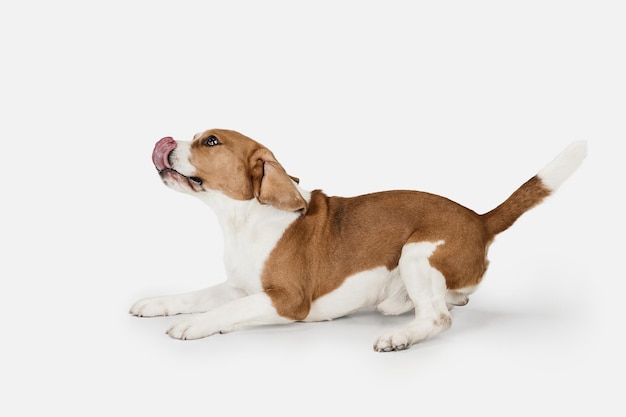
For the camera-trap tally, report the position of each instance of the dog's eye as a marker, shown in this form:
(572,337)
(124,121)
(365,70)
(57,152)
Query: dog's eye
(210,141)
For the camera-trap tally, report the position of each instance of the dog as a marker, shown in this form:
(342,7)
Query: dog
(296,255)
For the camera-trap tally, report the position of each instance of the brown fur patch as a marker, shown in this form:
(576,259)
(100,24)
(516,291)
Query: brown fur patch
(244,169)
(523,199)
(225,167)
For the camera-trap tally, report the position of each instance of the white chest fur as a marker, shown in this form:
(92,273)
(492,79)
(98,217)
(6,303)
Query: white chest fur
(251,231)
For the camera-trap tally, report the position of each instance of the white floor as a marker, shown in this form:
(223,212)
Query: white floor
(467,100)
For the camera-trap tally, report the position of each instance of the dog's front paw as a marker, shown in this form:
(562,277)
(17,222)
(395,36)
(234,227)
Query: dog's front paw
(153,307)
(191,329)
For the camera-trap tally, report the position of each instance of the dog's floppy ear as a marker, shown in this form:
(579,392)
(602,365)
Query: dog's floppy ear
(272,185)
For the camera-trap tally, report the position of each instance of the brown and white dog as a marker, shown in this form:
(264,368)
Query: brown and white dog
(294,255)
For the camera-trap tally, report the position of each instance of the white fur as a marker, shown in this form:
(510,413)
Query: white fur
(179,158)
(361,290)
(561,167)
(426,287)
(459,297)
(251,230)
(191,302)
(395,299)
(246,311)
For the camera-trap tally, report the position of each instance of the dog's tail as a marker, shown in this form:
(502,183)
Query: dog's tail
(536,189)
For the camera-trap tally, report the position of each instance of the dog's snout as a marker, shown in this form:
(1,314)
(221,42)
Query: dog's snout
(162,149)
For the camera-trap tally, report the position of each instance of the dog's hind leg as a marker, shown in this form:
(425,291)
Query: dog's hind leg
(191,302)
(426,287)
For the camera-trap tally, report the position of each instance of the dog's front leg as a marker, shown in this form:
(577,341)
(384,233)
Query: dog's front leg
(254,309)
(191,302)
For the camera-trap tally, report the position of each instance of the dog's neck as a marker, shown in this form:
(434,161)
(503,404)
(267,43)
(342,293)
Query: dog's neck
(251,230)
(234,215)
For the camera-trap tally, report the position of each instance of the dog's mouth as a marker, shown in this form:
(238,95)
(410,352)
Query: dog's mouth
(171,177)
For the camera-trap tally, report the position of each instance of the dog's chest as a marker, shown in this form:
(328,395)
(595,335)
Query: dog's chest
(248,242)
(244,264)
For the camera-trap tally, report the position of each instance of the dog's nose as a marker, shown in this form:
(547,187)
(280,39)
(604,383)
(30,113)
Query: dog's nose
(162,151)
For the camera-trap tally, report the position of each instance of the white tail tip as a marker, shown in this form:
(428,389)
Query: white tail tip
(564,165)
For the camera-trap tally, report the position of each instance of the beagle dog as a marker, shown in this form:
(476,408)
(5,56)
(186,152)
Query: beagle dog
(296,255)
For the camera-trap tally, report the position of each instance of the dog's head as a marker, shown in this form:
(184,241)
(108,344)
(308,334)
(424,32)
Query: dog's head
(230,163)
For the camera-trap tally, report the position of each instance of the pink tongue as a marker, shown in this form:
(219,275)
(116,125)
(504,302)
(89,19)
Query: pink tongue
(161,151)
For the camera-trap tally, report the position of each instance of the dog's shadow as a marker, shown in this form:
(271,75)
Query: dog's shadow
(469,320)
(370,324)
(366,325)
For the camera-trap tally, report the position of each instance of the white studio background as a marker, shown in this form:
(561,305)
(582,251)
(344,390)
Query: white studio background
(463,99)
